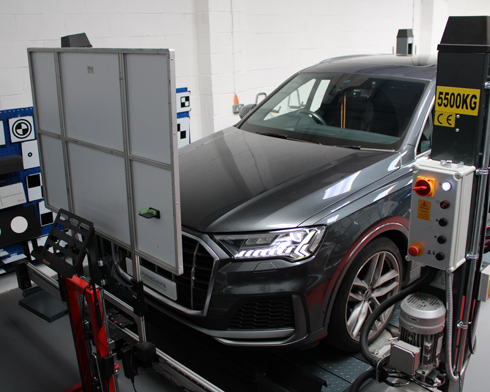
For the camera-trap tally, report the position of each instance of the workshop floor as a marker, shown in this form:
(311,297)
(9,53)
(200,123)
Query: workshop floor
(37,356)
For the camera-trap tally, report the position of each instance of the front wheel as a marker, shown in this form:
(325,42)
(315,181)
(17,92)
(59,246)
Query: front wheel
(373,277)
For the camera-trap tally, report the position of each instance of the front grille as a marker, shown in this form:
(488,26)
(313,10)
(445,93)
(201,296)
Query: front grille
(193,284)
(264,313)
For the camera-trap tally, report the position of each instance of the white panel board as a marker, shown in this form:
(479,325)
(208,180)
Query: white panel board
(114,152)
(99,190)
(148,106)
(154,236)
(53,169)
(43,78)
(92,98)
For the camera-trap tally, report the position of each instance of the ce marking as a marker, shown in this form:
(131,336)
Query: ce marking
(445,119)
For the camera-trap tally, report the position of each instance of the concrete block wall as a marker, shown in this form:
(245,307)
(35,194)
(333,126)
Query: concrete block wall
(223,47)
(108,24)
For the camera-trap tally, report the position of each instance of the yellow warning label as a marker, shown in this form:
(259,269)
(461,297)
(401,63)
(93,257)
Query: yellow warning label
(457,100)
(423,211)
(444,119)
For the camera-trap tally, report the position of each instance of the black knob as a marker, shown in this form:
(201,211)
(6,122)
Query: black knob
(443,222)
(441,239)
(440,256)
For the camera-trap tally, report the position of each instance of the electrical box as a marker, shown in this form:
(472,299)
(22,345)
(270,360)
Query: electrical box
(404,42)
(484,291)
(405,357)
(440,209)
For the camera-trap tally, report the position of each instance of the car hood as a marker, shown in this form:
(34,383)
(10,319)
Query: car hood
(237,181)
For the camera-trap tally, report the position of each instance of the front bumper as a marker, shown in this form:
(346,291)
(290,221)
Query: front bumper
(252,303)
(240,337)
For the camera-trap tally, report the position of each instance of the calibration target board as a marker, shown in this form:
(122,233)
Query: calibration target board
(107,134)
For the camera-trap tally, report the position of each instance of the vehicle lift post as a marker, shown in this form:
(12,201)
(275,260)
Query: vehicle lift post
(452,232)
(463,86)
(449,204)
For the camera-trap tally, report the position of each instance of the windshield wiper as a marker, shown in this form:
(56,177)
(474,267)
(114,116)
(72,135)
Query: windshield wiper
(363,148)
(278,135)
(283,136)
(349,146)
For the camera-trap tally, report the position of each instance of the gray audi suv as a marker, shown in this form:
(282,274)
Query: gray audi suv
(295,220)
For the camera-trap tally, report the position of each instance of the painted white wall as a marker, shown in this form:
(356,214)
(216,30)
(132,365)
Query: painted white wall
(108,24)
(223,47)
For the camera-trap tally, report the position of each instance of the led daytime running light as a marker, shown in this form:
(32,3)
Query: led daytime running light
(293,244)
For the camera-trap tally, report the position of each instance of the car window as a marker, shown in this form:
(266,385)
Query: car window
(356,110)
(425,140)
(295,100)
(319,94)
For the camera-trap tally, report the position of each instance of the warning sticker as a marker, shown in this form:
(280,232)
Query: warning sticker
(444,119)
(457,100)
(423,210)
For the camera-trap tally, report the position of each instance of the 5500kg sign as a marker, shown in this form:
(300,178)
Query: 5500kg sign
(457,100)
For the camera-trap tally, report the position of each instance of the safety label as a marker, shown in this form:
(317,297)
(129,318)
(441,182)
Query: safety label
(444,119)
(423,210)
(457,100)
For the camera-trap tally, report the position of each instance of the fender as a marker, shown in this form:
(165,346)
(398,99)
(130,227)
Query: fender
(393,223)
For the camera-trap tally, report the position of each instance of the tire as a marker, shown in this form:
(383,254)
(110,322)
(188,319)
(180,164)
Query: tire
(374,275)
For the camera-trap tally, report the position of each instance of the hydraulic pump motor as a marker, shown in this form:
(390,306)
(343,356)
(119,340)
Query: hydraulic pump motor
(422,320)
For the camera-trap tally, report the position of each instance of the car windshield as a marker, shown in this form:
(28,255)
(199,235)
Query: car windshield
(350,110)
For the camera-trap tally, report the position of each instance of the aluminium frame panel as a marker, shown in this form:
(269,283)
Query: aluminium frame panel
(107,135)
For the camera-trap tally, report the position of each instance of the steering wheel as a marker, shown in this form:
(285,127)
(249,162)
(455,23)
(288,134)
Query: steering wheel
(314,116)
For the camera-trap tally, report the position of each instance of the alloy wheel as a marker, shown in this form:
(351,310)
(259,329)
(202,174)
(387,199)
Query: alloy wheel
(376,280)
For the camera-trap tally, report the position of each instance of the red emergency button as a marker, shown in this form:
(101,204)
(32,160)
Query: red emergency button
(416,249)
(413,251)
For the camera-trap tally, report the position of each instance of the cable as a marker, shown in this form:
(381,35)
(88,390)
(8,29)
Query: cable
(85,335)
(472,326)
(415,286)
(373,360)
(363,377)
(134,387)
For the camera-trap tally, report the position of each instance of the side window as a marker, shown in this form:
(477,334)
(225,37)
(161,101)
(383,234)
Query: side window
(425,140)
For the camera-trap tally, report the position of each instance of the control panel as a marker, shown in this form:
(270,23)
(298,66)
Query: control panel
(440,209)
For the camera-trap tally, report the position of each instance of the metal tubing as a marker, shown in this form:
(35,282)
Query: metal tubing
(44,281)
(140,320)
(449,328)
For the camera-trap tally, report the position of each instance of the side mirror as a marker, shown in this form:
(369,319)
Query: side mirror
(246,109)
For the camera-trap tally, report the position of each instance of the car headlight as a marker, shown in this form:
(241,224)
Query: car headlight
(293,245)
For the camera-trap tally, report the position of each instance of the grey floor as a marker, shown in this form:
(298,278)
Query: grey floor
(37,356)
